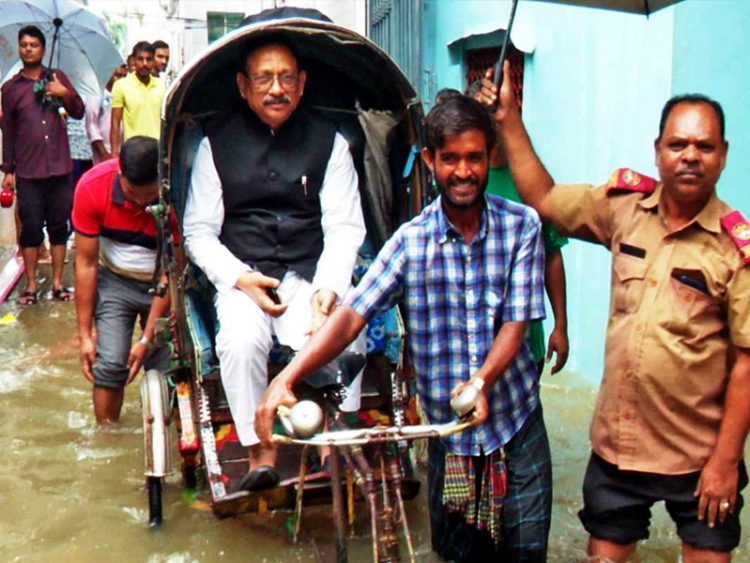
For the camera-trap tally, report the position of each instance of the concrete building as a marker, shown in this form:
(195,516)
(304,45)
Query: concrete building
(593,84)
(189,25)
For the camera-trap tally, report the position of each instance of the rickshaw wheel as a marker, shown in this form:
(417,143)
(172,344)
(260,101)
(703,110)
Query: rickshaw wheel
(155,517)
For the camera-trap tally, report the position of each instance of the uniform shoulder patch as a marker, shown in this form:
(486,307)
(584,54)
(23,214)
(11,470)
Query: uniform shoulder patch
(738,229)
(627,180)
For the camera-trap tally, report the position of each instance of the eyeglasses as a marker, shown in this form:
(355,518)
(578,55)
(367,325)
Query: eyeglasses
(264,82)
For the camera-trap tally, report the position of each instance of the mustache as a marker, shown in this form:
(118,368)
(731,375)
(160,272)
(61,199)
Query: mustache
(271,100)
(473,181)
(694,170)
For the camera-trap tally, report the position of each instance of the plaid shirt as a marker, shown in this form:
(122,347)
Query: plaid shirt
(457,296)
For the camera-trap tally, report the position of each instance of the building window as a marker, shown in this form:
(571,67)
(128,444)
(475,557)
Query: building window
(219,23)
(479,60)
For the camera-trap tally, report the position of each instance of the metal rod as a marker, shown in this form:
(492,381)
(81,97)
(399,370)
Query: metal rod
(338,507)
(498,74)
(388,540)
(370,495)
(395,468)
(377,435)
(300,489)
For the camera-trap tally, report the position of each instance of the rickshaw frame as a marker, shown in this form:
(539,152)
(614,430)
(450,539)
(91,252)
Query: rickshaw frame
(189,102)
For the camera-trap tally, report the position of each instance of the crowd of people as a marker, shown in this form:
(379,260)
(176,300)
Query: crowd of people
(276,230)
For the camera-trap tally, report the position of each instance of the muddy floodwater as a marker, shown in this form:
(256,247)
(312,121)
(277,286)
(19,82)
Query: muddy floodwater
(70,491)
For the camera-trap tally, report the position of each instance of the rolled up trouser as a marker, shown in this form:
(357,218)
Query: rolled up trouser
(119,301)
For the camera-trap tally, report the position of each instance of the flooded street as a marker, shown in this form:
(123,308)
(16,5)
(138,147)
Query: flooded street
(72,492)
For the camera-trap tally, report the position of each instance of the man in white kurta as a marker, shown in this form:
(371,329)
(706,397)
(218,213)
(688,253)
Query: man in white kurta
(272,85)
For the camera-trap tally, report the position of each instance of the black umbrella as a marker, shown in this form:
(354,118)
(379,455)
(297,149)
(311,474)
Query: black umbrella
(645,7)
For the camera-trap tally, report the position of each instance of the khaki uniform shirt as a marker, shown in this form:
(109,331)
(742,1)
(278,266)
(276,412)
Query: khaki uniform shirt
(678,300)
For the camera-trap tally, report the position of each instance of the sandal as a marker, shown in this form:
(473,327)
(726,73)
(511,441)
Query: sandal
(62,294)
(28,298)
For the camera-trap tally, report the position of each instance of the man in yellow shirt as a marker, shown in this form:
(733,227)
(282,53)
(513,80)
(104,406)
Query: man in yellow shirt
(136,100)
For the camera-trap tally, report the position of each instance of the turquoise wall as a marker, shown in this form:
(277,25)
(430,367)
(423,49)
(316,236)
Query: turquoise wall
(712,56)
(594,87)
(593,91)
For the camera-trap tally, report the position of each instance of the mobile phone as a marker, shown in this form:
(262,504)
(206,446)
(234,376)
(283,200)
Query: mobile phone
(274,295)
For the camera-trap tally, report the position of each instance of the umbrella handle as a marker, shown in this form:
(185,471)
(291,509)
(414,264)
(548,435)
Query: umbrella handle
(57,22)
(498,73)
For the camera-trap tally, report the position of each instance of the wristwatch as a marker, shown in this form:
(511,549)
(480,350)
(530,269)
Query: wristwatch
(145,341)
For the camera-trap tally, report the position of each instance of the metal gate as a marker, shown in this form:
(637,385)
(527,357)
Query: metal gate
(394,25)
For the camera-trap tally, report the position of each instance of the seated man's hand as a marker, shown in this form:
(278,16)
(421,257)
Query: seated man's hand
(278,393)
(256,285)
(323,304)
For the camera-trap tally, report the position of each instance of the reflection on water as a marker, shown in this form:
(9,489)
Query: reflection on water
(72,492)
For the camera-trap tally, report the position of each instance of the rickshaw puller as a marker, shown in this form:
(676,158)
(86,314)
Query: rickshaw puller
(273,204)
(469,269)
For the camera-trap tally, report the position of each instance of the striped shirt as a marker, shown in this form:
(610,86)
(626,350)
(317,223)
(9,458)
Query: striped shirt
(127,234)
(456,296)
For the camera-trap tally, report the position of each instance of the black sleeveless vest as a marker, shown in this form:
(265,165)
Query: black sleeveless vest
(271,186)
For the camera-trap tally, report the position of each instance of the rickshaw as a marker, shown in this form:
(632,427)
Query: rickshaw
(355,84)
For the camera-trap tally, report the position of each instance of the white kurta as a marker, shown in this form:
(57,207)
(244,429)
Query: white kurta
(244,338)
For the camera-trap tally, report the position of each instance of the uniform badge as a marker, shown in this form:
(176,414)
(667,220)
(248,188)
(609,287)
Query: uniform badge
(741,231)
(627,180)
(738,229)
(631,178)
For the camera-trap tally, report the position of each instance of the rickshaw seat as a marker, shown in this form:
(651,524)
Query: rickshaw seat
(201,318)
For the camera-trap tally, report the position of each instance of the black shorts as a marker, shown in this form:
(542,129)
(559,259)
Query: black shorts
(617,506)
(44,202)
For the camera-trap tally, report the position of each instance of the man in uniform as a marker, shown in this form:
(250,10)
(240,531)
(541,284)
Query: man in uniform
(273,205)
(672,414)
(469,269)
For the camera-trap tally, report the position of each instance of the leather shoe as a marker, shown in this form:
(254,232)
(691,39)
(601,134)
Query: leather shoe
(260,478)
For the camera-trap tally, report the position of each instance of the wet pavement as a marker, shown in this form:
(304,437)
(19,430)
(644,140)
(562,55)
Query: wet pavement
(70,491)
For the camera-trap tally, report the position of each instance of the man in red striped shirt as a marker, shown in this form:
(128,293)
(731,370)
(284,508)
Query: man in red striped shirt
(115,259)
